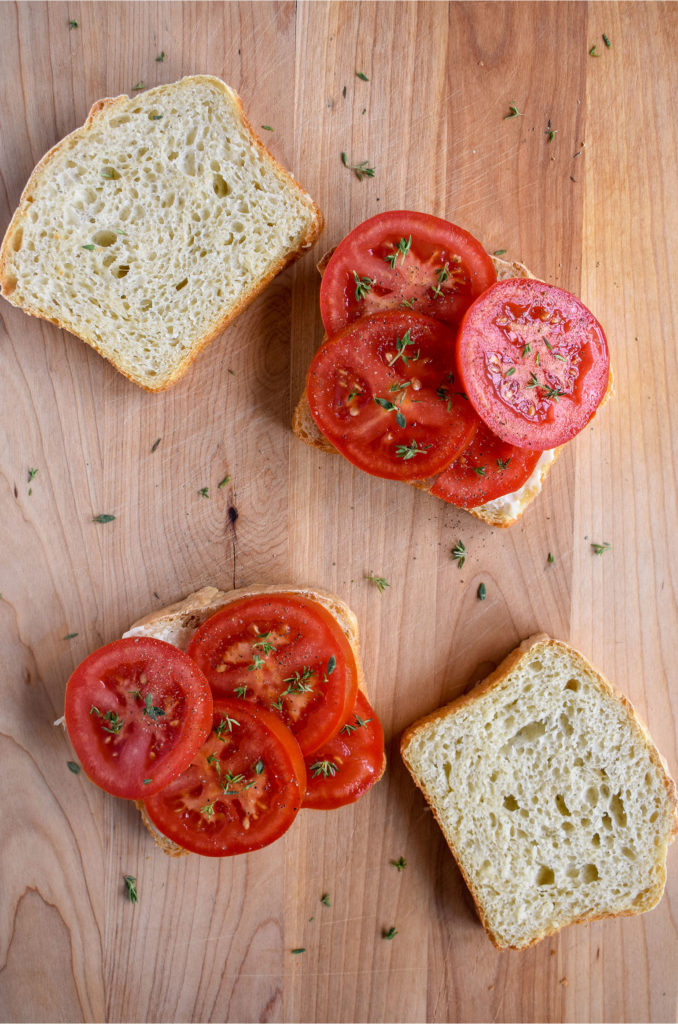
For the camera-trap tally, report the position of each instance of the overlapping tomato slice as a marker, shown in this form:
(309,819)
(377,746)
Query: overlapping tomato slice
(383,392)
(283,652)
(349,764)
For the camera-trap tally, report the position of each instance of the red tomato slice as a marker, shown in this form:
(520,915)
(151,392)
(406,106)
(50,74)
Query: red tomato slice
(242,789)
(487,469)
(401,259)
(136,712)
(533,361)
(286,653)
(346,767)
(383,392)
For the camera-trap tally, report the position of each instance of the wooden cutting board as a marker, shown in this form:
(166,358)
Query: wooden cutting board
(593,210)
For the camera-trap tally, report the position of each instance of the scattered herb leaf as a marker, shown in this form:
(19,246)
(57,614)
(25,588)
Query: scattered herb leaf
(362,76)
(389,933)
(363,285)
(326,899)
(131,883)
(551,558)
(89,247)
(606,41)
(138,87)
(499,252)
(70,636)
(380,583)
(482,592)
(161,58)
(459,554)
(74,767)
(267,127)
(299,949)
(73,23)
(325,768)
(361,170)
(399,864)
(155,444)
(348,728)
(593,52)
(600,549)
(204,492)
(105,517)
(514,112)
(331,664)
(226,480)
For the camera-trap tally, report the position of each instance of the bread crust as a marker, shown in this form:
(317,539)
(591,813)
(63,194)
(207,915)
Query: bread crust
(185,616)
(305,428)
(105,106)
(532,644)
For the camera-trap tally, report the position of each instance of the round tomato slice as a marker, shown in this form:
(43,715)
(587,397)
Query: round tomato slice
(242,789)
(286,653)
(345,768)
(383,392)
(402,258)
(136,712)
(487,469)
(533,361)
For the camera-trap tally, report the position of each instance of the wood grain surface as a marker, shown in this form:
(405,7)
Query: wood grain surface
(595,211)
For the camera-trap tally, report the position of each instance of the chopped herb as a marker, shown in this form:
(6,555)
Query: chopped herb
(593,52)
(331,664)
(600,549)
(259,767)
(161,58)
(258,661)
(443,392)
(362,76)
(70,636)
(363,285)
(408,451)
(156,117)
(32,473)
(606,41)
(204,492)
(73,23)
(389,933)
(299,949)
(479,470)
(361,170)
(226,480)
(131,883)
(348,728)
(532,382)
(278,704)
(550,132)
(155,444)
(401,345)
(514,112)
(264,643)
(108,173)
(105,517)
(298,683)
(208,809)
(225,724)
(401,250)
(115,723)
(550,559)
(74,767)
(482,592)
(326,899)
(149,708)
(443,274)
(499,252)
(554,393)
(380,583)
(325,768)
(138,87)
(267,127)
(511,370)
(527,350)
(408,303)
(146,781)
(390,407)
(399,864)
(459,554)
(90,247)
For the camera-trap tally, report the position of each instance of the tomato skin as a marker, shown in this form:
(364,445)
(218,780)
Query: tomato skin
(367,252)
(533,361)
(276,651)
(242,790)
(382,391)
(355,757)
(487,469)
(137,709)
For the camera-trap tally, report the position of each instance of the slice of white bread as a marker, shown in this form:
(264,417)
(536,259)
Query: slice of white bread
(149,228)
(504,511)
(550,792)
(177,623)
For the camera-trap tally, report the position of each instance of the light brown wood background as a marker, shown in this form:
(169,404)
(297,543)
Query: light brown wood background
(211,940)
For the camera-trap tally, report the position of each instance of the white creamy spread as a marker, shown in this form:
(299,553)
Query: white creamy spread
(510,505)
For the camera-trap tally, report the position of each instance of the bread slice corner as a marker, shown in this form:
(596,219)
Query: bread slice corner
(552,797)
(147,230)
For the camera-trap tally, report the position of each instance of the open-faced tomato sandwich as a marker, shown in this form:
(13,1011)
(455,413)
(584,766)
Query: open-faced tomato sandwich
(447,368)
(227,713)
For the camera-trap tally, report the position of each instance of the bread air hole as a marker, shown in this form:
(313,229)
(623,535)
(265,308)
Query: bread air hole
(545,876)
(182,284)
(221,187)
(120,271)
(573,684)
(589,873)
(562,806)
(104,238)
(617,810)
(510,803)
(109,173)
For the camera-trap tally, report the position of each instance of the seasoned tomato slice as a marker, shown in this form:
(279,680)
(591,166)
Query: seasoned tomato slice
(345,768)
(242,789)
(533,361)
(284,652)
(136,712)
(404,259)
(487,469)
(383,392)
